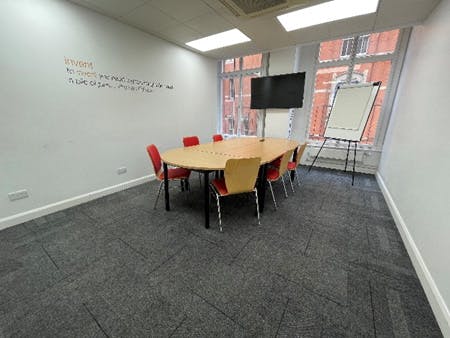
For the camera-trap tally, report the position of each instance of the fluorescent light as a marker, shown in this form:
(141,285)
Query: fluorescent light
(326,12)
(228,38)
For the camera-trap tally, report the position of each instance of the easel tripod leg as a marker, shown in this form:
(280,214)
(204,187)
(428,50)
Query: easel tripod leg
(315,158)
(346,159)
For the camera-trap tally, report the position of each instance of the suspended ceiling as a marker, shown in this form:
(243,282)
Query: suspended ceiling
(180,21)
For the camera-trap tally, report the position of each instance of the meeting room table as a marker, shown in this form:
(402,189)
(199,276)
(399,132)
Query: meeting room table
(211,157)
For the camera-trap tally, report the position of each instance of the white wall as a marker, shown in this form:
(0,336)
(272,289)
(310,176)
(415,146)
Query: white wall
(280,62)
(60,140)
(306,56)
(415,164)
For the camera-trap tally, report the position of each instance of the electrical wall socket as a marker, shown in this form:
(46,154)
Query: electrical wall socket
(121,170)
(17,195)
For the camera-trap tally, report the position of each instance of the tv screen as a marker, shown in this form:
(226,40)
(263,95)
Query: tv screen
(278,91)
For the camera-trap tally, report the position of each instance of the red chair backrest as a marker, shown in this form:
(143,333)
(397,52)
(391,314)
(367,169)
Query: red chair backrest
(217,138)
(155,157)
(190,141)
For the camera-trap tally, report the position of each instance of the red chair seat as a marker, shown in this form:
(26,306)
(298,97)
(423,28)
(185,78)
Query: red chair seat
(219,184)
(272,174)
(175,173)
(291,165)
(217,138)
(190,141)
(276,163)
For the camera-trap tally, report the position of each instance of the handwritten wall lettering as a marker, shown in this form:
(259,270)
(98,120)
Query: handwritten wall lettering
(82,73)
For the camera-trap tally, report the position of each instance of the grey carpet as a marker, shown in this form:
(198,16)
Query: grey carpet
(328,263)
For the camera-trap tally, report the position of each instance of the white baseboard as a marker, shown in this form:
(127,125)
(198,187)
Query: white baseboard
(70,202)
(440,308)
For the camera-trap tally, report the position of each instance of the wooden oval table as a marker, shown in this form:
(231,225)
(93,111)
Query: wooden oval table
(210,157)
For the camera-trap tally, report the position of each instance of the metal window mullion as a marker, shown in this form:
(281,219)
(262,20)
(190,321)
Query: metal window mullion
(394,79)
(311,99)
(247,72)
(334,63)
(376,58)
(358,59)
(239,107)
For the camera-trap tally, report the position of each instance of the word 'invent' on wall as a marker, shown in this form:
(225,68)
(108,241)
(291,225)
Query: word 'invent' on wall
(82,73)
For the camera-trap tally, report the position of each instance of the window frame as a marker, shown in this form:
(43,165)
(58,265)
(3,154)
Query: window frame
(237,77)
(396,58)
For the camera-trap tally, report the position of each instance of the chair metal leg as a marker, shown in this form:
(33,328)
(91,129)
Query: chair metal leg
(290,180)
(273,196)
(257,205)
(284,186)
(218,212)
(297,177)
(159,192)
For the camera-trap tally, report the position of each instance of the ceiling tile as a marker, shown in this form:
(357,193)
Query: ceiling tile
(310,34)
(179,21)
(150,19)
(350,26)
(181,10)
(209,23)
(179,33)
(115,8)
(265,33)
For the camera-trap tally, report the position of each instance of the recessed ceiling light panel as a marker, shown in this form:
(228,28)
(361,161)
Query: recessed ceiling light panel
(224,39)
(326,12)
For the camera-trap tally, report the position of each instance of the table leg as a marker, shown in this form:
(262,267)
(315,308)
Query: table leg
(206,192)
(294,158)
(166,186)
(262,186)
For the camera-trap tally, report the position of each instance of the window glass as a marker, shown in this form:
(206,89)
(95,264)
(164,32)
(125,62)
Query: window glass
(248,121)
(363,43)
(346,47)
(230,65)
(229,106)
(324,88)
(236,116)
(374,71)
(382,43)
(367,68)
(252,61)
(368,45)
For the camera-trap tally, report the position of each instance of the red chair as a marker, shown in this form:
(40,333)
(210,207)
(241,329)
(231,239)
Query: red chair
(274,173)
(292,165)
(180,174)
(190,141)
(217,138)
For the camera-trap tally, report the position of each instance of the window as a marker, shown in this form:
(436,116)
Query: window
(361,49)
(372,61)
(347,47)
(363,42)
(236,116)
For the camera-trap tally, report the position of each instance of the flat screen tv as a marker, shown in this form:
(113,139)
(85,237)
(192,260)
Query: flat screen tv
(278,91)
